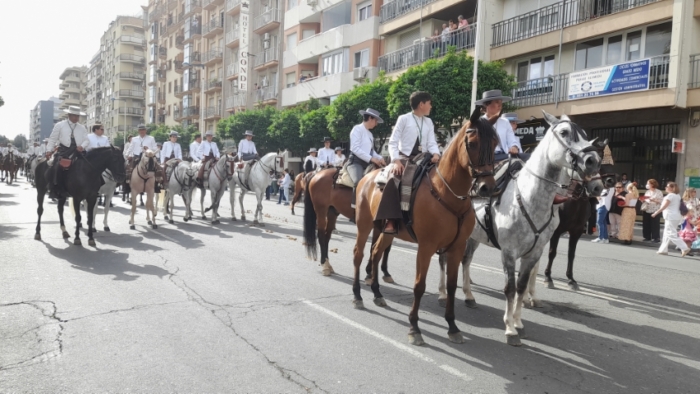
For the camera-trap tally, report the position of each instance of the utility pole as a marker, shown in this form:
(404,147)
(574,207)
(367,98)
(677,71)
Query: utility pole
(477,47)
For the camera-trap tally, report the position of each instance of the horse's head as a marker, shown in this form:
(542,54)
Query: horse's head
(479,140)
(230,165)
(117,165)
(571,147)
(148,160)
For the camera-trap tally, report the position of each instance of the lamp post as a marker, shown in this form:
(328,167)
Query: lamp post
(125,125)
(201,95)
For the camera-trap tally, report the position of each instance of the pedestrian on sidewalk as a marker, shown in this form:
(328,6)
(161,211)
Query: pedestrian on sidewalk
(687,233)
(691,201)
(286,182)
(670,206)
(651,203)
(604,202)
(629,214)
(616,209)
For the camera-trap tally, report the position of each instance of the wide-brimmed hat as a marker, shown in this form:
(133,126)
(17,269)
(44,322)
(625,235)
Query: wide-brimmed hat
(174,133)
(491,95)
(373,113)
(327,139)
(248,132)
(209,132)
(512,117)
(338,148)
(141,127)
(312,150)
(74,110)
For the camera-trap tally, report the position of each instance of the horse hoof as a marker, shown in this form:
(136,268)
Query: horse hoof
(186,219)
(171,221)
(37,237)
(416,339)
(379,301)
(368,280)
(573,286)
(142,204)
(456,337)
(255,222)
(514,340)
(326,271)
(216,221)
(234,219)
(66,235)
(549,284)
(536,304)
(358,304)
(91,242)
(77,242)
(133,227)
(204,217)
(150,222)
(470,304)
(155,227)
(106,229)
(442,302)
(388,279)
(521,333)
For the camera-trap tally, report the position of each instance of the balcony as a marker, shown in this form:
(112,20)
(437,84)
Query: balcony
(395,9)
(72,89)
(694,80)
(180,42)
(268,20)
(213,86)
(192,58)
(131,93)
(212,57)
(177,114)
(161,118)
(162,75)
(558,16)
(232,71)
(172,4)
(133,111)
(232,38)
(233,7)
(309,49)
(132,76)
(323,86)
(267,58)
(179,68)
(238,100)
(212,113)
(161,98)
(212,28)
(129,58)
(428,49)
(190,113)
(211,4)
(178,91)
(132,40)
(192,33)
(191,87)
(265,95)
(192,7)
(162,52)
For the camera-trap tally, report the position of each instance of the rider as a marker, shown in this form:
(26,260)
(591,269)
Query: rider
(339,158)
(97,137)
(127,148)
(310,161)
(413,134)
(247,152)
(194,148)
(171,150)
(40,150)
(67,137)
(208,151)
(326,157)
(362,148)
(31,151)
(509,143)
(139,144)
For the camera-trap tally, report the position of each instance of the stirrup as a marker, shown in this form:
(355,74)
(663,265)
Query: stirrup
(392,232)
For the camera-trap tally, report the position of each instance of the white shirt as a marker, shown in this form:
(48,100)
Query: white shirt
(127,150)
(170,148)
(40,150)
(31,151)
(339,160)
(246,146)
(313,160)
(286,180)
(407,129)
(506,135)
(362,143)
(606,200)
(194,151)
(206,147)
(672,211)
(137,144)
(61,135)
(325,156)
(97,141)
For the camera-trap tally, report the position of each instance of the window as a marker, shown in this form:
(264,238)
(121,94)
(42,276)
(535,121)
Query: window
(170,87)
(290,79)
(291,4)
(589,54)
(364,11)
(292,42)
(634,45)
(535,68)
(614,50)
(334,63)
(362,58)
(658,40)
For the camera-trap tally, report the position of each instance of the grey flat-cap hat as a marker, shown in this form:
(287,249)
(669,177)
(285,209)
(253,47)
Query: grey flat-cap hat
(248,132)
(209,132)
(338,148)
(312,150)
(327,139)
(141,126)
(174,133)
(512,117)
(491,95)
(373,113)
(74,110)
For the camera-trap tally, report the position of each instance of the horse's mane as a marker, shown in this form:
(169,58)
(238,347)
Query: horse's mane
(98,151)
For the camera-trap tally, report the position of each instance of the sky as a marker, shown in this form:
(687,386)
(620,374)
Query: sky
(38,40)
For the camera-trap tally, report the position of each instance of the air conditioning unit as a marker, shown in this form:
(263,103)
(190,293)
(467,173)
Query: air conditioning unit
(360,73)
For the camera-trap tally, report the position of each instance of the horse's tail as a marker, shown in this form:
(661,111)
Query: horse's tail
(71,207)
(309,223)
(161,198)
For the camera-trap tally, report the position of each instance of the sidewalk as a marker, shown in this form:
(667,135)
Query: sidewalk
(637,238)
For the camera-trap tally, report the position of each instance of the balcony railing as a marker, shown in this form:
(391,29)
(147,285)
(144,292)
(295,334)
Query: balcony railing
(429,49)
(212,112)
(398,8)
(190,112)
(266,56)
(694,80)
(193,57)
(137,76)
(214,84)
(555,88)
(557,16)
(270,16)
(162,52)
(232,36)
(212,25)
(180,42)
(236,101)
(212,55)
(231,4)
(192,85)
(130,111)
(231,70)
(131,93)
(179,68)
(132,40)
(265,94)
(127,57)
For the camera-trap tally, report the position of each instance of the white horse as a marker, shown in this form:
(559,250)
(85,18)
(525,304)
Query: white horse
(108,191)
(220,172)
(180,182)
(143,180)
(258,180)
(526,217)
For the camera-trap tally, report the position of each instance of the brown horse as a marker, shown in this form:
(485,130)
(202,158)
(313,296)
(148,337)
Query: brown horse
(443,217)
(9,167)
(299,186)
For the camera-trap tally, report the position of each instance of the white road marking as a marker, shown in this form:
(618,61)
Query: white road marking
(404,348)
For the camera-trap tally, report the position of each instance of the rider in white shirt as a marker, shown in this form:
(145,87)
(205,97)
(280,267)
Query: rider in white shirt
(97,138)
(247,152)
(362,148)
(171,149)
(339,158)
(311,161)
(194,148)
(67,137)
(142,142)
(208,151)
(326,156)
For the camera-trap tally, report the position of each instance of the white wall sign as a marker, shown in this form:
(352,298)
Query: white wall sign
(243,60)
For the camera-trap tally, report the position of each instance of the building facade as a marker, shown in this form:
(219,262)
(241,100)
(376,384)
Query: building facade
(116,77)
(43,117)
(329,47)
(210,58)
(73,89)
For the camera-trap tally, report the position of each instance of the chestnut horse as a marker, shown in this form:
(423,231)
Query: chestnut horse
(299,186)
(443,217)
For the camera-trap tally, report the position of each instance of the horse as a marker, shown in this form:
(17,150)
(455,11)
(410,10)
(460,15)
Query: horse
(9,167)
(107,190)
(299,186)
(465,168)
(527,215)
(143,180)
(220,172)
(257,182)
(81,182)
(180,182)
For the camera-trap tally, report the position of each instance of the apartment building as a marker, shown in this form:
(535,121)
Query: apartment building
(329,47)
(210,58)
(116,77)
(73,85)
(43,117)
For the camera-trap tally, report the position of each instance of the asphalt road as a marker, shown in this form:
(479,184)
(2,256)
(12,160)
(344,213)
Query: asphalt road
(192,307)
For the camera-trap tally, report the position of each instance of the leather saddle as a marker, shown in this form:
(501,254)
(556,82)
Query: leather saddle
(342,177)
(504,172)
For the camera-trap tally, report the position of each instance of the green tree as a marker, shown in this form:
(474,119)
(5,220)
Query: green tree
(4,140)
(449,81)
(313,127)
(344,111)
(20,142)
(286,129)
(257,120)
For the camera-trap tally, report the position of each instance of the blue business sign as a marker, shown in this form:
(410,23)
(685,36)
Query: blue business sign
(604,81)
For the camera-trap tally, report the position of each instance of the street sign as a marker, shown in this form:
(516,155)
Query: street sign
(694,181)
(615,79)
